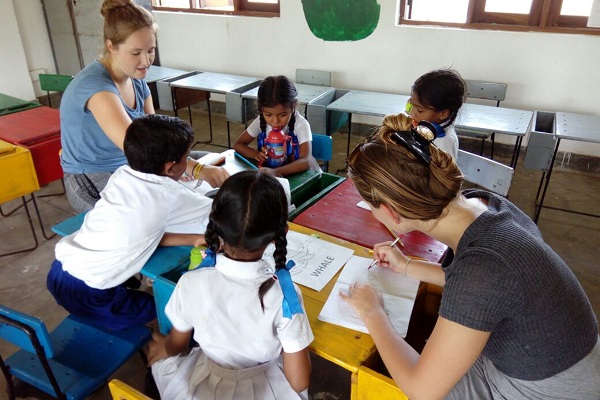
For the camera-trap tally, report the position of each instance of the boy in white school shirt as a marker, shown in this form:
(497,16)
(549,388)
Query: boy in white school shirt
(143,206)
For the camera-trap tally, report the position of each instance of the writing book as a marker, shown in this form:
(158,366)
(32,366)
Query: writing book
(398,291)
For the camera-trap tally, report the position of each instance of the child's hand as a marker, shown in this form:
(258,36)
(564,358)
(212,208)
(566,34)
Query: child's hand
(200,241)
(271,171)
(364,299)
(261,156)
(389,257)
(156,348)
(215,176)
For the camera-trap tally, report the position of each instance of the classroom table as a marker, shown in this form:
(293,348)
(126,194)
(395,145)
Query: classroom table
(569,126)
(209,82)
(9,104)
(307,94)
(473,118)
(338,215)
(38,130)
(155,74)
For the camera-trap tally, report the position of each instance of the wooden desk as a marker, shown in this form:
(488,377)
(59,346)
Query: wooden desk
(473,118)
(359,226)
(185,89)
(569,126)
(38,129)
(9,104)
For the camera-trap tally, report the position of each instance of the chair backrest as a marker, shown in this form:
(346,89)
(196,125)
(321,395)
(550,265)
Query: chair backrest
(54,82)
(24,331)
(484,172)
(322,149)
(122,391)
(313,77)
(486,90)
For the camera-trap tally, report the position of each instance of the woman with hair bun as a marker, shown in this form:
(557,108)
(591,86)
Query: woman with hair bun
(514,322)
(103,99)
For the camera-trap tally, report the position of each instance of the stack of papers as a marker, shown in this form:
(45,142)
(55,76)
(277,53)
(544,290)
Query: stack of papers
(398,292)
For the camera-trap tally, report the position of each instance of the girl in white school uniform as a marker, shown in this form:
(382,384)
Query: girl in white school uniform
(436,97)
(243,313)
(283,135)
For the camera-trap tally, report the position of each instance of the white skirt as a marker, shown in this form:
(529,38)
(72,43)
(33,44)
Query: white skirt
(196,377)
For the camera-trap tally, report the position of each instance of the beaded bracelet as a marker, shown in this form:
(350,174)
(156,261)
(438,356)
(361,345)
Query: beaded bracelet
(196,170)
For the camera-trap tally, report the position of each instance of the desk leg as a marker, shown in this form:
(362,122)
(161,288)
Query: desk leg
(493,137)
(538,207)
(32,232)
(348,145)
(516,151)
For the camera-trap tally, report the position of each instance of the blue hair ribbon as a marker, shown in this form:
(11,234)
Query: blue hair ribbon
(291,303)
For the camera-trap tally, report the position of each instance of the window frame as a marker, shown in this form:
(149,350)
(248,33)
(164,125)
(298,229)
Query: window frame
(240,7)
(543,17)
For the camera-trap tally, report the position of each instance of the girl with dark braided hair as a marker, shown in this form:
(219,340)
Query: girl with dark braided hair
(436,97)
(243,313)
(283,135)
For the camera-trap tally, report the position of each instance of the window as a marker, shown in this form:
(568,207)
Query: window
(566,16)
(258,8)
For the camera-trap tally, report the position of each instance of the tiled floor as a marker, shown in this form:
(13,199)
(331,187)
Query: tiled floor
(576,238)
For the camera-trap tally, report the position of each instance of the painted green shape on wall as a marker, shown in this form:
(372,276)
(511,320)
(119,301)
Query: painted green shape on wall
(341,20)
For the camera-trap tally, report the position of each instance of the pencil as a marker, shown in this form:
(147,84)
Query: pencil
(391,245)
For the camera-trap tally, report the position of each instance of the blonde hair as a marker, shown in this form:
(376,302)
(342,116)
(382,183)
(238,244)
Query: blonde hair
(122,18)
(386,172)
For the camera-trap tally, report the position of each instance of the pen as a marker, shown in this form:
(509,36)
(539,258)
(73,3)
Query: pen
(391,245)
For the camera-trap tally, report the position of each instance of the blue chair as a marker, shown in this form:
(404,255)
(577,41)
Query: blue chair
(322,149)
(72,361)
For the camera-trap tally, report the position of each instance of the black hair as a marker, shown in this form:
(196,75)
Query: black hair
(153,140)
(274,90)
(250,211)
(441,89)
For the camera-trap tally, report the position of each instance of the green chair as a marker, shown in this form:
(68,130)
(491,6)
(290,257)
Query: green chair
(54,83)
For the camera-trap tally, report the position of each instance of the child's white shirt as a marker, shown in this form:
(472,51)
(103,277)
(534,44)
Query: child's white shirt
(126,225)
(301,128)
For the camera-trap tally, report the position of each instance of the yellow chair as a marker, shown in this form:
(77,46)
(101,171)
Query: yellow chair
(122,391)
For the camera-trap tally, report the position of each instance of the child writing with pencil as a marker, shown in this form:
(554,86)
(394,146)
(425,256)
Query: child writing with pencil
(243,313)
(142,206)
(436,97)
(514,322)
(284,138)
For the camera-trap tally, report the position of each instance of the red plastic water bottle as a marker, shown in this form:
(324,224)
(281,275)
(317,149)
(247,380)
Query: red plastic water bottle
(275,144)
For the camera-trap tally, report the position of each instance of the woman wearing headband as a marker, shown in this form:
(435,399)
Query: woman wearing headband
(514,322)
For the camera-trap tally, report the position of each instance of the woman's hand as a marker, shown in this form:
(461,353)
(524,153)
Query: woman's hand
(364,299)
(214,176)
(389,257)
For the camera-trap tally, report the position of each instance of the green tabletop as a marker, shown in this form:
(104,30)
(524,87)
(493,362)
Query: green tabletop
(9,104)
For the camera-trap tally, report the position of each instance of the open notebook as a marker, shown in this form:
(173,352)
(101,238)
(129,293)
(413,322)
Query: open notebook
(398,292)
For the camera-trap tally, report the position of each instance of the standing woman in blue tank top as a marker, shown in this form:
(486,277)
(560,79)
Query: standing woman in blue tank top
(103,99)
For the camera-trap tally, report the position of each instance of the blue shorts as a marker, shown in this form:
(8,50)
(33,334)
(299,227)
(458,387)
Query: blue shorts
(115,308)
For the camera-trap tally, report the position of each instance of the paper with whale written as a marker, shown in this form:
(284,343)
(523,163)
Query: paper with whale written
(317,261)
(398,293)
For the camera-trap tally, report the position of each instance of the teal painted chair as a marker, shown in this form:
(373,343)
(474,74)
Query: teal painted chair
(54,83)
(72,361)
(322,149)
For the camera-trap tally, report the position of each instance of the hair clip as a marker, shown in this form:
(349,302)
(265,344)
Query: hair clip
(417,140)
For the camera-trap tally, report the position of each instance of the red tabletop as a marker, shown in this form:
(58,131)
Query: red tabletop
(37,129)
(30,126)
(337,214)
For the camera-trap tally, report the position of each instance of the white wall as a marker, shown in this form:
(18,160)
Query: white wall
(14,75)
(552,72)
